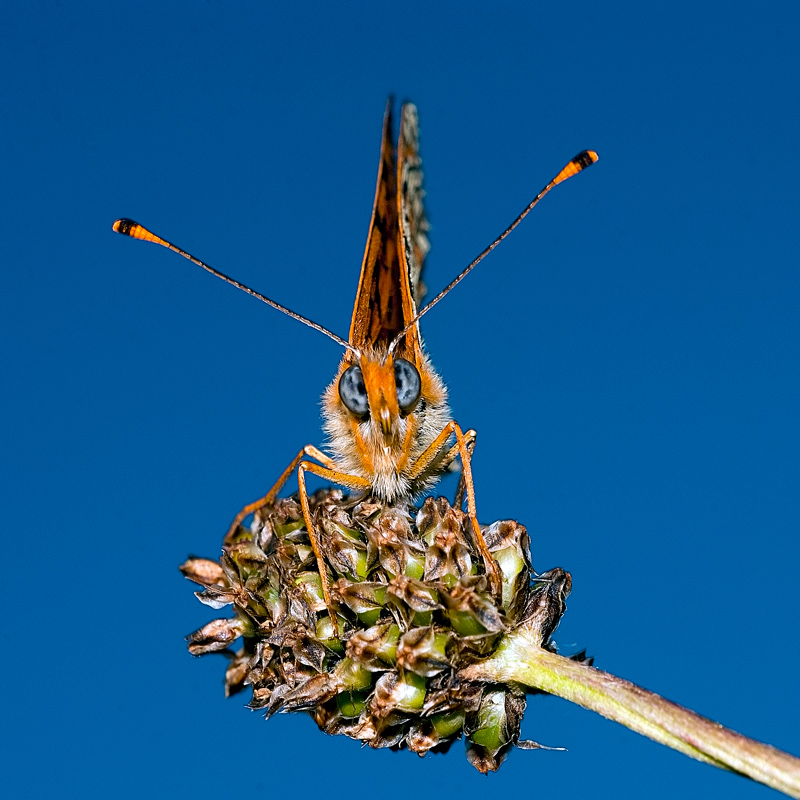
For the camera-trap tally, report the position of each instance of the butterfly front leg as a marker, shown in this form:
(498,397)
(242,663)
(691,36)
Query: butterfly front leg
(342,479)
(269,498)
(470,436)
(445,461)
(431,458)
(328,471)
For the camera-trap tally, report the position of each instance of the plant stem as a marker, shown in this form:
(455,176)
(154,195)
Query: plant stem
(520,659)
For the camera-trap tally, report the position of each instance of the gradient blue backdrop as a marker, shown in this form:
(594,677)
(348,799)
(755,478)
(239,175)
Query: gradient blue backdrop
(629,358)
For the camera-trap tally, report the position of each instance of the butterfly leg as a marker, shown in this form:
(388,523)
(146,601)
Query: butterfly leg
(429,458)
(269,497)
(342,479)
(470,436)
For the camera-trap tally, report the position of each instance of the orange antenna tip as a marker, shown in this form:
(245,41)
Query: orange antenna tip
(123,225)
(578,164)
(128,227)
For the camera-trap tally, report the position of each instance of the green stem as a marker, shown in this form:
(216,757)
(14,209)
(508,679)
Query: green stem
(519,659)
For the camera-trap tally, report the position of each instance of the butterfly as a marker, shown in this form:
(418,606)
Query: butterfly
(386,413)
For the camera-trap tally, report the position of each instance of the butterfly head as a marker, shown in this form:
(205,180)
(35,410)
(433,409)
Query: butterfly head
(382,410)
(384,390)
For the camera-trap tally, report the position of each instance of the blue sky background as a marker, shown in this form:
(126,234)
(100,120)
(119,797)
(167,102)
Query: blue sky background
(629,358)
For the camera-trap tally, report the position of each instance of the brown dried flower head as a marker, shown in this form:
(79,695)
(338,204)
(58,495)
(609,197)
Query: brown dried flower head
(413,608)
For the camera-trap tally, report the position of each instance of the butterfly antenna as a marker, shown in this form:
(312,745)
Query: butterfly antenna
(578,164)
(133,229)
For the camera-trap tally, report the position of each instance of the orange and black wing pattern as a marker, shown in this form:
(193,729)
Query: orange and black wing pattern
(384,302)
(414,226)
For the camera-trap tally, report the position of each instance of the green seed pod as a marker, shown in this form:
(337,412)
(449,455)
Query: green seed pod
(375,648)
(423,651)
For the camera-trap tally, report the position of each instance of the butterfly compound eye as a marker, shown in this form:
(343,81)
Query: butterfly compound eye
(408,384)
(353,391)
